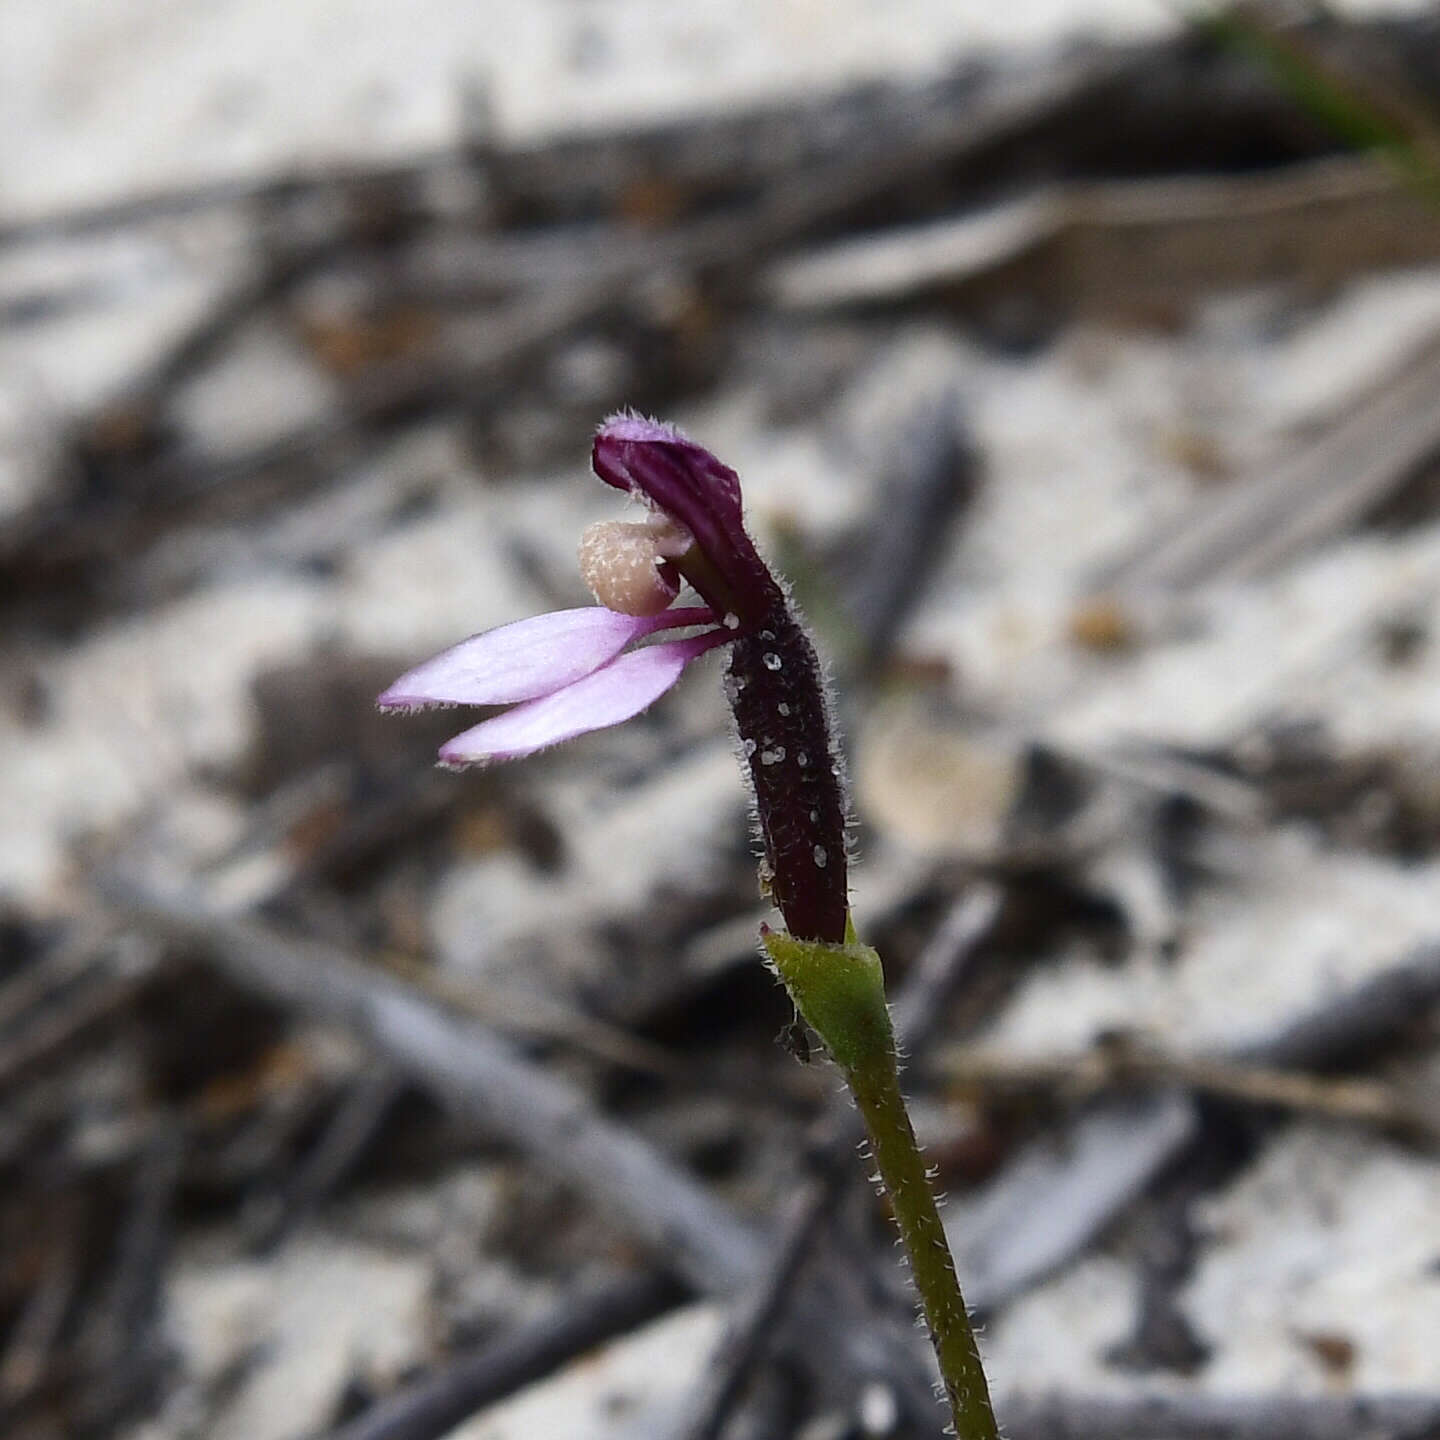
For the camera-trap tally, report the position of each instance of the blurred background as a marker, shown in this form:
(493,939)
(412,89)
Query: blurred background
(1081,363)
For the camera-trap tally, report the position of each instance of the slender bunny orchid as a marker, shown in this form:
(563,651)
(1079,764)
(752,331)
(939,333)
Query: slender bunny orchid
(575,671)
(570,672)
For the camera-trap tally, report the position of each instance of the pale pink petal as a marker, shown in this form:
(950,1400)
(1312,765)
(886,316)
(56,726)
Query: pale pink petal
(528,658)
(616,692)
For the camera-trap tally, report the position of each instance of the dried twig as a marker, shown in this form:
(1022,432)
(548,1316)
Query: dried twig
(1049,1202)
(542,1018)
(574,176)
(1253,526)
(484,1079)
(135,1286)
(351,1129)
(940,967)
(58,966)
(1354,1022)
(1132,244)
(433,1406)
(86,1004)
(268,191)
(1198,1416)
(933,473)
(755,1317)
(1131,1065)
(1055,1196)
(720,250)
(121,1347)
(471,1068)
(37,1327)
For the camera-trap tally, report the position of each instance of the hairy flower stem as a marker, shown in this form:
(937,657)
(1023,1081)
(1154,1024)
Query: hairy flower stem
(876,1087)
(840,991)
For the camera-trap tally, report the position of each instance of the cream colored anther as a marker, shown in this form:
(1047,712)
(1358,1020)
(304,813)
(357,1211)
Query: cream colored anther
(620,562)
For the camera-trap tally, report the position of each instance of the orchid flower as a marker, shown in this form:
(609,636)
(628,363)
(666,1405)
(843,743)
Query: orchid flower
(573,671)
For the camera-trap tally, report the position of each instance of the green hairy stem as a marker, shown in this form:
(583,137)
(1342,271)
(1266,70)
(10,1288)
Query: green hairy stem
(840,991)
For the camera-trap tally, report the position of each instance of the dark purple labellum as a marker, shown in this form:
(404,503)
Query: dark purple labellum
(778,695)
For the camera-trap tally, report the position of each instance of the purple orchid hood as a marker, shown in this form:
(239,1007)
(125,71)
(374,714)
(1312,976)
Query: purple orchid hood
(686,482)
(573,671)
